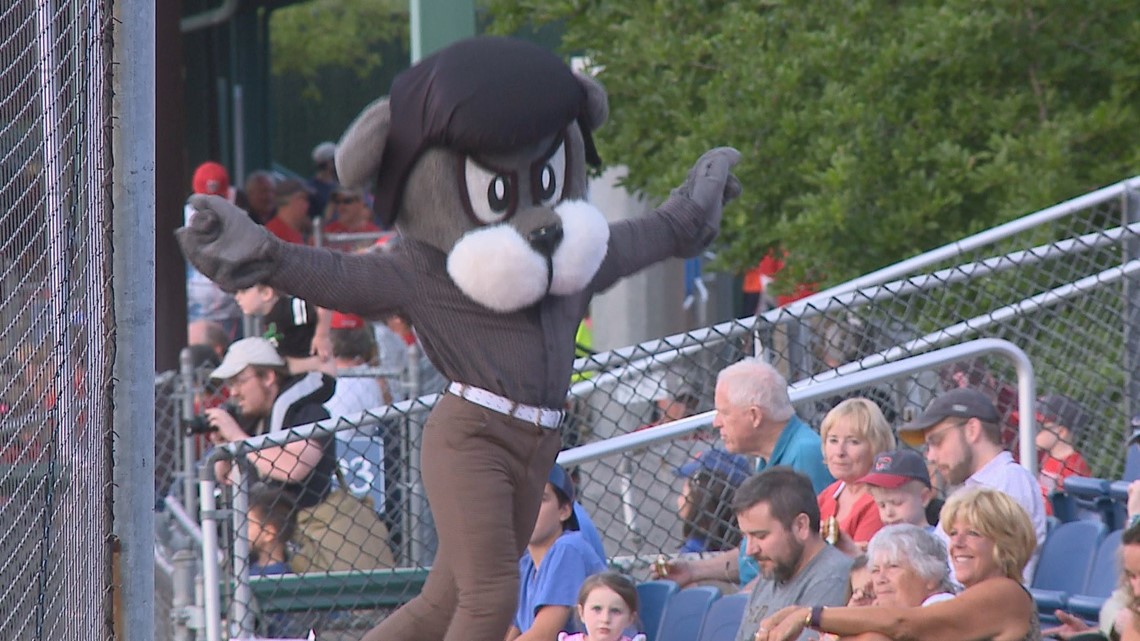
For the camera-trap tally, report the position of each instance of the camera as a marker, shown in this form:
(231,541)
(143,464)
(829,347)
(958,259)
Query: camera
(199,424)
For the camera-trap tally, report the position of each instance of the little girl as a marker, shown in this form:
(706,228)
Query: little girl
(607,607)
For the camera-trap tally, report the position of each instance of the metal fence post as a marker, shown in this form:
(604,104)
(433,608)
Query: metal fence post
(182,605)
(133,215)
(1130,213)
(186,385)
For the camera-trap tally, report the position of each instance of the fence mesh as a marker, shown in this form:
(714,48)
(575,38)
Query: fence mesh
(1059,288)
(55,334)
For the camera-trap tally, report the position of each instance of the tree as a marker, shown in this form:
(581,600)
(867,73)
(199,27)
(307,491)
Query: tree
(872,129)
(310,38)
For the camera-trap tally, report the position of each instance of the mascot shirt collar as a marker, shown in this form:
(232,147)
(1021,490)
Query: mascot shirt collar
(462,98)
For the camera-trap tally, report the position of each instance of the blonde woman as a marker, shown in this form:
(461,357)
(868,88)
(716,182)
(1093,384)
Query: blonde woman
(991,540)
(851,435)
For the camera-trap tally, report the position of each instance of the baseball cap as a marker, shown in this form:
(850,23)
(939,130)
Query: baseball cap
(733,467)
(211,178)
(248,351)
(286,188)
(895,468)
(564,486)
(957,403)
(341,320)
(324,152)
(1062,410)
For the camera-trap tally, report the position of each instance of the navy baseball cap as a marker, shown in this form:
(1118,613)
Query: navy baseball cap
(733,467)
(564,486)
(896,468)
(957,403)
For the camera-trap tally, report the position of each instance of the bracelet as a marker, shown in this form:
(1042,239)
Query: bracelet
(814,618)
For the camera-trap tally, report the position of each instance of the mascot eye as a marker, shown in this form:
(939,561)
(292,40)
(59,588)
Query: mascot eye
(550,176)
(492,195)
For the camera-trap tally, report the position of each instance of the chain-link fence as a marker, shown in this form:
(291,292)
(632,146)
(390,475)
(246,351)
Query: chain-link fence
(1058,283)
(55,331)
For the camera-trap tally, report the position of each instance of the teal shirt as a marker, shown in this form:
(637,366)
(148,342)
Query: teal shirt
(798,448)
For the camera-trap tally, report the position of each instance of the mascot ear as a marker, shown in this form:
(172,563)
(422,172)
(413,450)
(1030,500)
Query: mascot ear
(597,104)
(362,146)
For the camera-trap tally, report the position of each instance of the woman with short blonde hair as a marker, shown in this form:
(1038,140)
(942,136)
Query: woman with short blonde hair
(851,435)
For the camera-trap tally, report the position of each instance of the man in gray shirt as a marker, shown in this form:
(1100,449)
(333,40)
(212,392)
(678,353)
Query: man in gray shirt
(777,511)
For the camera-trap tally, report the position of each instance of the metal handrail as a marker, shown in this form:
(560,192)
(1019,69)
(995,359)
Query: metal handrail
(809,390)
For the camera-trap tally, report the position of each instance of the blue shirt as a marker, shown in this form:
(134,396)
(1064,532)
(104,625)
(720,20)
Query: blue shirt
(556,582)
(799,448)
(589,530)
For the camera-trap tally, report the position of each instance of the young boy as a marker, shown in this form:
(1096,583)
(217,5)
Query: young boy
(271,521)
(1062,420)
(556,562)
(297,328)
(900,484)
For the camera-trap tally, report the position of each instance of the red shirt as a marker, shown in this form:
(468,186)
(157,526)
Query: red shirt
(283,231)
(862,520)
(1054,471)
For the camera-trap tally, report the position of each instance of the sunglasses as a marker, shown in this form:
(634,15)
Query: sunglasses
(345,201)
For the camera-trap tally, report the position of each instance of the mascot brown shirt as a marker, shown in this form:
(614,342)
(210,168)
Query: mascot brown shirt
(478,155)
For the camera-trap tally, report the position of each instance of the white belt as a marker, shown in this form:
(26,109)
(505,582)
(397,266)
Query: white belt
(541,416)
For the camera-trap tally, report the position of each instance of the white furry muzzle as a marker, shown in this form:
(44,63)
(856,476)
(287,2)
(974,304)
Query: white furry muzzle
(497,268)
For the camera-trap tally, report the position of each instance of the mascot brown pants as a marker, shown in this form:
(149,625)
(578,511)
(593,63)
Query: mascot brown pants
(484,474)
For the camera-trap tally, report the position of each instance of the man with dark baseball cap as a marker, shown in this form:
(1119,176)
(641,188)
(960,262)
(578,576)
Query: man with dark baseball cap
(962,435)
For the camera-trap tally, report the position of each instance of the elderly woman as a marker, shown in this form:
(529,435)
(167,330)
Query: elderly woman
(991,539)
(852,433)
(909,567)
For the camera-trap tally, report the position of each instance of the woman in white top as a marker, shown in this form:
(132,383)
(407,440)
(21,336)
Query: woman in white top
(909,567)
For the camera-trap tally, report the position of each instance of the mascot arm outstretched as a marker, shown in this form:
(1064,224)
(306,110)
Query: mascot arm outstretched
(233,251)
(681,227)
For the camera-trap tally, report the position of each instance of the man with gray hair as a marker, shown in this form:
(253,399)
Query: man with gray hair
(755,417)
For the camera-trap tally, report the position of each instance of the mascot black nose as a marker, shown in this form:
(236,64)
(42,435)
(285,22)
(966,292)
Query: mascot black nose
(545,240)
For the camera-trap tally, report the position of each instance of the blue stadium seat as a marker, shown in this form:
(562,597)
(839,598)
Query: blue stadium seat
(1102,580)
(723,618)
(685,612)
(652,596)
(1065,564)
(1132,461)
(1084,498)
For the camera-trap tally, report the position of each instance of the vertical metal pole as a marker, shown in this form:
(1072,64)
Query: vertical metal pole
(243,596)
(239,133)
(189,478)
(1130,213)
(438,23)
(417,502)
(182,602)
(212,597)
(133,215)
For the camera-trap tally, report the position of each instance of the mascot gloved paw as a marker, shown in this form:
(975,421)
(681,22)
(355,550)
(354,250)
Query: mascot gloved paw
(700,200)
(224,244)
(710,183)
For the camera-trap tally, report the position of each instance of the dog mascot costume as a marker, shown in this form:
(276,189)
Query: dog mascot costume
(478,156)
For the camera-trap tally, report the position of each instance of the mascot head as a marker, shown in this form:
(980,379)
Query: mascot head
(480,151)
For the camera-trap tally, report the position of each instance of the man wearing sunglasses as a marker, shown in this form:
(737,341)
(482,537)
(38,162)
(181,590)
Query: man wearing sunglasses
(962,434)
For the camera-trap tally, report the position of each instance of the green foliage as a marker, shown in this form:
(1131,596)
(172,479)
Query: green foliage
(871,129)
(312,37)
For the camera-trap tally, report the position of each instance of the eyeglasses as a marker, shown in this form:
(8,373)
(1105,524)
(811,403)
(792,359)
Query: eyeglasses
(239,380)
(345,201)
(927,438)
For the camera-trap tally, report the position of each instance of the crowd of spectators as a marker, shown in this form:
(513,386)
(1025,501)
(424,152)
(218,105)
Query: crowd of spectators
(805,521)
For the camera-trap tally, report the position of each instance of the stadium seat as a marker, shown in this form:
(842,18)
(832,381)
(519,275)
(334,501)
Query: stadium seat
(1102,580)
(1132,460)
(1084,498)
(652,596)
(723,618)
(684,613)
(1065,564)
